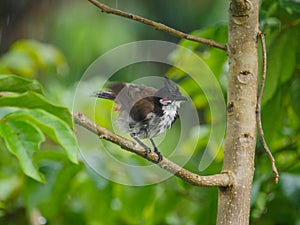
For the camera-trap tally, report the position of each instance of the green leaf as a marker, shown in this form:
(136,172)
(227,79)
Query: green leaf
(13,83)
(28,57)
(288,57)
(18,62)
(62,185)
(268,116)
(23,139)
(34,100)
(291,4)
(214,58)
(52,126)
(295,95)
(217,32)
(281,62)
(44,55)
(50,196)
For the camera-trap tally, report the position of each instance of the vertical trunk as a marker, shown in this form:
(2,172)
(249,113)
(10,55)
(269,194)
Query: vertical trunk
(234,202)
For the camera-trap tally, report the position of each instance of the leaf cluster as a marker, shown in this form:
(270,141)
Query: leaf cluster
(30,117)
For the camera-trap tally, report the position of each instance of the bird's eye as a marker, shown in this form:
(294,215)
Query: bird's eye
(164,99)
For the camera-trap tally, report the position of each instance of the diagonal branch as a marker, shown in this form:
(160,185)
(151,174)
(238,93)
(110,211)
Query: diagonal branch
(158,26)
(217,180)
(258,108)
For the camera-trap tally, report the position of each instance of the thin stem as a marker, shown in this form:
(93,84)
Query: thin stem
(158,26)
(216,180)
(258,108)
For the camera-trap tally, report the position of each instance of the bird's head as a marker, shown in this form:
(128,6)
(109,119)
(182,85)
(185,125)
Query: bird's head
(170,94)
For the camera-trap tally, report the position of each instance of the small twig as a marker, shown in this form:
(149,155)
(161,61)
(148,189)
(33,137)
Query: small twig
(258,108)
(217,180)
(36,217)
(158,26)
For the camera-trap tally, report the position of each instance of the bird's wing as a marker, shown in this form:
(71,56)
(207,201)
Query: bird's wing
(141,109)
(131,94)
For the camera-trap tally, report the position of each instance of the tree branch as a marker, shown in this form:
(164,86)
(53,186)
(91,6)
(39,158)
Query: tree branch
(217,180)
(158,26)
(258,108)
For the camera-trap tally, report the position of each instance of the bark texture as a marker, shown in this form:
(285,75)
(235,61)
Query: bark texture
(234,201)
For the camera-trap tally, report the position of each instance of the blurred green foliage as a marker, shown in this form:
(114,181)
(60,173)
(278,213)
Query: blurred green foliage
(28,57)
(36,136)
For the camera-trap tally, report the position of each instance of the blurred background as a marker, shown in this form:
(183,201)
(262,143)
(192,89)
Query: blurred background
(54,41)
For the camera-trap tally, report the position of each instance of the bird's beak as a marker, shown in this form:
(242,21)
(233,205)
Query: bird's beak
(181,98)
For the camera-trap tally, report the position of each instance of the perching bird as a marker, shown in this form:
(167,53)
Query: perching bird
(144,112)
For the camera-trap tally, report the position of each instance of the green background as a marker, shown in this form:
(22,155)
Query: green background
(49,44)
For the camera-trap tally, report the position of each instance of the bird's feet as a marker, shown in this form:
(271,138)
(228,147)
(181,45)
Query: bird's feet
(160,157)
(147,150)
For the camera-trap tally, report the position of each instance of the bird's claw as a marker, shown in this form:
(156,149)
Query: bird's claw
(147,151)
(160,157)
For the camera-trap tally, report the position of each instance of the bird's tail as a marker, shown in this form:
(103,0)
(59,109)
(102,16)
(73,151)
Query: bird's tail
(114,90)
(104,94)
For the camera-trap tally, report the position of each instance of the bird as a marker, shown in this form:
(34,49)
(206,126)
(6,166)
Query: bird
(144,112)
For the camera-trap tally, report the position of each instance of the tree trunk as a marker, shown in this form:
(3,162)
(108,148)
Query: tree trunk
(234,202)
